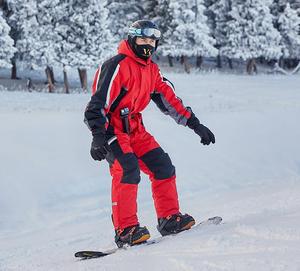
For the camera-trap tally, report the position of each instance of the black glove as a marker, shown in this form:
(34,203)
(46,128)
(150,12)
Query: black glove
(98,150)
(206,135)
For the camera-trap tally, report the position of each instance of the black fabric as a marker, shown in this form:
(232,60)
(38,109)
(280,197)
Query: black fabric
(159,163)
(94,113)
(205,134)
(166,79)
(116,148)
(109,135)
(156,98)
(139,49)
(117,101)
(131,169)
(144,51)
(128,162)
(98,150)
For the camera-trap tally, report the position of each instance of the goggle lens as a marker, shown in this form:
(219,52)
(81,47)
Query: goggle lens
(145,32)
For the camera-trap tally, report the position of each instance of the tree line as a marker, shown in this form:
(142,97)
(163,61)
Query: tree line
(37,34)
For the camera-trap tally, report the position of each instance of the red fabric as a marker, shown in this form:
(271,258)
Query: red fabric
(140,78)
(124,205)
(124,196)
(95,81)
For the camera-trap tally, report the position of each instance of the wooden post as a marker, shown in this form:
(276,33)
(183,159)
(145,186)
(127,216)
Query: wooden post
(251,66)
(29,84)
(13,70)
(49,80)
(83,78)
(199,62)
(170,59)
(281,62)
(80,76)
(52,74)
(66,81)
(187,67)
(230,63)
(219,62)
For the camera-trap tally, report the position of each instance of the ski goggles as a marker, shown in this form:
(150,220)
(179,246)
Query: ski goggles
(152,33)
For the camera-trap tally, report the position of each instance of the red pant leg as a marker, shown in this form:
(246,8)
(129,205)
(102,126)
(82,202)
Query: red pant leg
(125,174)
(158,166)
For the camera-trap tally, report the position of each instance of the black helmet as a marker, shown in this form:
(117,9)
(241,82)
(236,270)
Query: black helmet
(143,28)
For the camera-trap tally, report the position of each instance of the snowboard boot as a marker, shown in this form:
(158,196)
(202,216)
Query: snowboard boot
(173,224)
(132,235)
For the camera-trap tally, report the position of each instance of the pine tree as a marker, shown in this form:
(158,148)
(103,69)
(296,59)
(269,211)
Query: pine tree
(203,40)
(122,14)
(210,14)
(150,7)
(33,31)
(7,48)
(218,12)
(289,27)
(250,32)
(188,32)
(295,4)
(85,40)
(26,32)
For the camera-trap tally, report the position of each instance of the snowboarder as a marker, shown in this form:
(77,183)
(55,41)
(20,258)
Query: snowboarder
(123,86)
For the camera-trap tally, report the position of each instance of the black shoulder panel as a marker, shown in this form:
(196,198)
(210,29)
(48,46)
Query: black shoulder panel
(108,69)
(94,113)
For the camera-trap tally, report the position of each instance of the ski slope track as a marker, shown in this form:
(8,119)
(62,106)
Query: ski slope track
(55,200)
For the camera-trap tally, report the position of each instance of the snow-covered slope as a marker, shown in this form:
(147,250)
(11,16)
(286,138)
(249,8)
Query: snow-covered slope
(55,200)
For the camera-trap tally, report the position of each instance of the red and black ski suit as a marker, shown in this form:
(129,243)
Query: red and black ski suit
(128,82)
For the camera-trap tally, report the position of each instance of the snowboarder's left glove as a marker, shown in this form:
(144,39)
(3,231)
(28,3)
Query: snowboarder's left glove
(98,150)
(206,135)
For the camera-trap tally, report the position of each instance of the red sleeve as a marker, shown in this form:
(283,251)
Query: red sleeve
(165,98)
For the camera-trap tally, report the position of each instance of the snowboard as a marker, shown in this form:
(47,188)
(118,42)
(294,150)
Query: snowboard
(87,254)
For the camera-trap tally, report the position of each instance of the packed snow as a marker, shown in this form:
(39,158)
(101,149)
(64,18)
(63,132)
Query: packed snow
(55,200)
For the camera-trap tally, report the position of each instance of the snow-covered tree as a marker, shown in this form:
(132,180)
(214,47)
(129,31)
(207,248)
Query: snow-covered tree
(27,32)
(189,34)
(163,18)
(250,32)
(7,48)
(204,42)
(150,7)
(210,14)
(33,31)
(218,13)
(289,27)
(295,4)
(277,7)
(85,39)
(122,14)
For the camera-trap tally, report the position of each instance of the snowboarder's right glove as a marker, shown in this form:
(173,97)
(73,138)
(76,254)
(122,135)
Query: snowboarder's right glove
(98,150)
(206,135)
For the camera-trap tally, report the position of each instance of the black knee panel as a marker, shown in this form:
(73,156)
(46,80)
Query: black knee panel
(159,163)
(131,169)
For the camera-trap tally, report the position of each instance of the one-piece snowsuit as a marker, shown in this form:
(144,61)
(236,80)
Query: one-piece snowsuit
(126,84)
